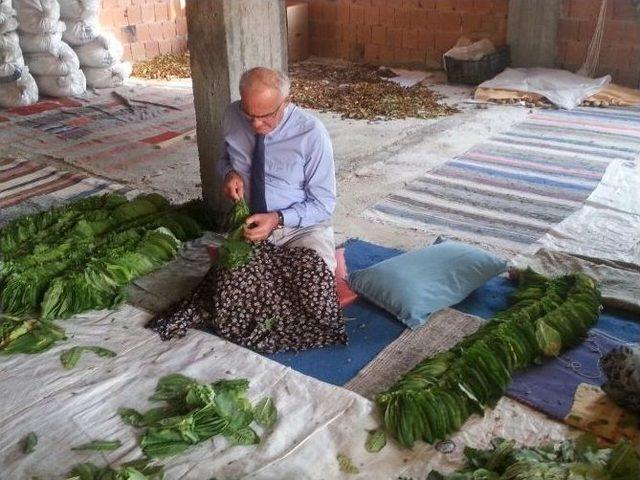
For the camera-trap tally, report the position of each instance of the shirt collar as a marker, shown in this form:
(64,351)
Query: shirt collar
(288,110)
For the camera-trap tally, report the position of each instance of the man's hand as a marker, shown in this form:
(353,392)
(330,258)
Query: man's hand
(233,186)
(259,226)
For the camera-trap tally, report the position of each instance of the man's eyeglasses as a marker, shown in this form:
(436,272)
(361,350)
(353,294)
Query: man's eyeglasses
(267,116)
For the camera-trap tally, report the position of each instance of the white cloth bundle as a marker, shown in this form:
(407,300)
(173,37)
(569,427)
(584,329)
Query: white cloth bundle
(79,9)
(20,92)
(80,32)
(62,61)
(34,43)
(104,51)
(38,16)
(108,77)
(72,85)
(9,47)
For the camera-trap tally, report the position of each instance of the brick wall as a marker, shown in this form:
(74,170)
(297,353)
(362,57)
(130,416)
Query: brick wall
(620,52)
(401,31)
(146,28)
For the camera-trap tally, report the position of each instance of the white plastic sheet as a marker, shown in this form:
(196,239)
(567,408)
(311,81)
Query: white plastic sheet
(72,85)
(564,89)
(62,61)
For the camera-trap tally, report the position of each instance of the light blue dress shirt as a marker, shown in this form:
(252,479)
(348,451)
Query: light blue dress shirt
(299,169)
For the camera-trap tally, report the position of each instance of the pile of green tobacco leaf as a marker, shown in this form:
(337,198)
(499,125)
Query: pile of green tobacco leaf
(195,412)
(80,257)
(579,459)
(136,470)
(436,397)
(235,251)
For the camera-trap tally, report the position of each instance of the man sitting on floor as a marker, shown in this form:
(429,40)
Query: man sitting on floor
(281,159)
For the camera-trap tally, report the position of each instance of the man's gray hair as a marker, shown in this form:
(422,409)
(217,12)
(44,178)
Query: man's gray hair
(266,77)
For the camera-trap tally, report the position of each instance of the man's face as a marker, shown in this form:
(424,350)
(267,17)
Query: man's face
(263,109)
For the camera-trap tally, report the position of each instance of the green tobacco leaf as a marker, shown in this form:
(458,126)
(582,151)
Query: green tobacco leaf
(244,436)
(549,340)
(86,471)
(131,417)
(29,443)
(346,465)
(624,463)
(69,358)
(376,440)
(100,445)
(40,338)
(172,387)
(159,443)
(265,412)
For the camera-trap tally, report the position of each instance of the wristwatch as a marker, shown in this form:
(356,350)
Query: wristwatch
(280,219)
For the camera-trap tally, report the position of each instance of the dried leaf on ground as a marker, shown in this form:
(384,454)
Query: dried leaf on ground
(164,67)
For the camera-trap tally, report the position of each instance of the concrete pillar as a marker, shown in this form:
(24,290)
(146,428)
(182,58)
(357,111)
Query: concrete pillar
(227,37)
(532,32)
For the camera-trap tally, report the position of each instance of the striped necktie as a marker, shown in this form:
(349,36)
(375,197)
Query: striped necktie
(258,203)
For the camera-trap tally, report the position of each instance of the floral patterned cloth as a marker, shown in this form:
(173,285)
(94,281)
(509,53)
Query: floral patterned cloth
(283,299)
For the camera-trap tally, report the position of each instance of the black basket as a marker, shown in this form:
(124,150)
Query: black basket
(474,72)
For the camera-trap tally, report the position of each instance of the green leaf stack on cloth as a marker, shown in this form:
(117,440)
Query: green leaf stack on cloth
(437,396)
(235,251)
(195,412)
(19,335)
(82,255)
(135,470)
(579,459)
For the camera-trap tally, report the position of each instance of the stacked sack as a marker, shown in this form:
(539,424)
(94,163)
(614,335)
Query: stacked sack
(17,86)
(53,63)
(100,53)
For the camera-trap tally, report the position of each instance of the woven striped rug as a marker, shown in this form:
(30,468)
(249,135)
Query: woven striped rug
(510,190)
(32,185)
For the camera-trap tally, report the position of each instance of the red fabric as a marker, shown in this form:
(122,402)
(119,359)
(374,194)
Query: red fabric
(345,294)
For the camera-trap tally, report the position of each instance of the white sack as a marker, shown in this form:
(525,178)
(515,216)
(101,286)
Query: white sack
(62,61)
(37,8)
(104,51)
(562,88)
(34,43)
(467,50)
(38,25)
(23,91)
(79,9)
(73,85)
(9,48)
(80,32)
(7,68)
(8,25)
(107,77)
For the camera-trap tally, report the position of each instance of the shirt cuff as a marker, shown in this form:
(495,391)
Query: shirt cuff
(291,217)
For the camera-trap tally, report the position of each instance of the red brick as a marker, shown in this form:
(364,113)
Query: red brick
(416,56)
(155,30)
(169,29)
(147,12)
(446,21)
(585,30)
(371,17)
(356,14)
(410,39)
(490,24)
(161,12)
(394,37)
(137,51)
(343,13)
(401,55)
(386,54)
(632,33)
(576,52)
(330,12)
(378,3)
(178,45)
(372,53)
(444,41)
(348,34)
(410,3)
(181,26)
(567,29)
(627,78)
(471,23)
(387,16)
(378,35)
(586,9)
(501,6)
(614,32)
(133,14)
(426,39)
(418,18)
(363,34)
(164,46)
(332,31)
(429,4)
(143,32)
(622,10)
(402,18)
(126,53)
(482,6)
(152,48)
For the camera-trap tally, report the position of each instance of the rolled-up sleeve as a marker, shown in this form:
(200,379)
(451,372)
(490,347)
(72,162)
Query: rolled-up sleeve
(320,184)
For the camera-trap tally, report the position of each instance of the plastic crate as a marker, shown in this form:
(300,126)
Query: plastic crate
(474,72)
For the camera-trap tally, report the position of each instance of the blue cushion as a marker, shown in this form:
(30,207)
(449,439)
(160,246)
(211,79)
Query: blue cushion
(416,284)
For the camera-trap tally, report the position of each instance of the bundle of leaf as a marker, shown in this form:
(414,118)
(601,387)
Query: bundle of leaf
(19,335)
(235,251)
(81,256)
(195,412)
(441,392)
(579,459)
(136,470)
